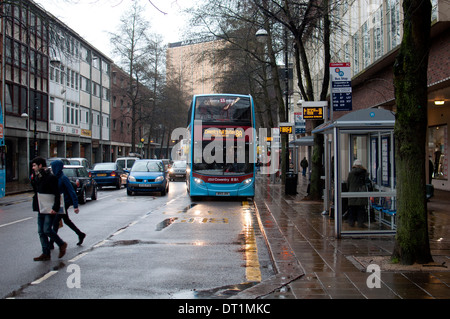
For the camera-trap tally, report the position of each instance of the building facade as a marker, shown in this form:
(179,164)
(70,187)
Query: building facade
(189,64)
(369,37)
(55,91)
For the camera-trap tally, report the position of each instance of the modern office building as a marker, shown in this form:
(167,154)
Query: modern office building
(55,90)
(369,38)
(189,63)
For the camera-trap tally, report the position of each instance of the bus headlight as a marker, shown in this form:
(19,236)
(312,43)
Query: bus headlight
(198,180)
(247,181)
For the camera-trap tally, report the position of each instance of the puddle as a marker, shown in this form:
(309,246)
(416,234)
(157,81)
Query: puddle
(165,223)
(215,293)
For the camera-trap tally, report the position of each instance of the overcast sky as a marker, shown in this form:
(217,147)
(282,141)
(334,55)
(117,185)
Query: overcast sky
(91,19)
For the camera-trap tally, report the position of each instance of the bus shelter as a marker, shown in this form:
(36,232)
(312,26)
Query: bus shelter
(368,136)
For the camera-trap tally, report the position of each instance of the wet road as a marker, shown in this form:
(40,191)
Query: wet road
(145,246)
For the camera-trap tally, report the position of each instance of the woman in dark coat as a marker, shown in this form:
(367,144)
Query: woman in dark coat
(357,182)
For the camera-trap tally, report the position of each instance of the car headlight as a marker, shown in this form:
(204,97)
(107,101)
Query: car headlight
(247,181)
(159,179)
(170,170)
(131,179)
(198,180)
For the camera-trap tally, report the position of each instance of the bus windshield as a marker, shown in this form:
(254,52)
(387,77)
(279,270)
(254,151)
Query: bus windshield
(222,108)
(232,161)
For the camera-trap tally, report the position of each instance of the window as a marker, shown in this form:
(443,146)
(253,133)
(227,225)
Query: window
(393,23)
(52,109)
(105,94)
(105,67)
(95,61)
(366,44)
(355,53)
(85,84)
(85,54)
(378,33)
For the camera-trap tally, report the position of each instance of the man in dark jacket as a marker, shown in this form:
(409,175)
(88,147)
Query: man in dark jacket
(70,198)
(44,182)
(357,182)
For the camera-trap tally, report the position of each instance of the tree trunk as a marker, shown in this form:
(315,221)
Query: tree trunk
(410,82)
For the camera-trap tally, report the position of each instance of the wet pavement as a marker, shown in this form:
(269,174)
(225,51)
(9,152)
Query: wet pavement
(312,264)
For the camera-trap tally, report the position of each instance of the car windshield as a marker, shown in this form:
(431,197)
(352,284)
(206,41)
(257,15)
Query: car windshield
(181,164)
(70,172)
(147,167)
(105,166)
(75,162)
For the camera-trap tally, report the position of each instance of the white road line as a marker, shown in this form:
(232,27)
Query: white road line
(48,275)
(17,221)
(78,257)
(101,243)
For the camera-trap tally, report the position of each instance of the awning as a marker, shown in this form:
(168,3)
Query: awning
(361,119)
(304,141)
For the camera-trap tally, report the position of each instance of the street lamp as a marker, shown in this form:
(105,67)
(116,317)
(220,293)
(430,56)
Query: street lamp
(261,35)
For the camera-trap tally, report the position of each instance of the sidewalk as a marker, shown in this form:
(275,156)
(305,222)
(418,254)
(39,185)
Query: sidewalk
(15,187)
(316,265)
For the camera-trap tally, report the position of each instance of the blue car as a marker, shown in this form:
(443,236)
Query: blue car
(107,174)
(147,176)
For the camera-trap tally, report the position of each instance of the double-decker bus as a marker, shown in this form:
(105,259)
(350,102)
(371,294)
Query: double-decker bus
(222,148)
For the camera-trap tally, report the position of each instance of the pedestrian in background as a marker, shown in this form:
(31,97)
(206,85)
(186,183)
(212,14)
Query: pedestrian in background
(304,165)
(44,182)
(70,198)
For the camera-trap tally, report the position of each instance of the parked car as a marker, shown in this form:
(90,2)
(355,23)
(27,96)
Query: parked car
(107,174)
(126,163)
(52,159)
(147,176)
(80,161)
(83,183)
(177,170)
(167,163)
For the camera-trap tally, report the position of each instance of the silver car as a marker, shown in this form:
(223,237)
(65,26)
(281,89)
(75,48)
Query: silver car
(178,170)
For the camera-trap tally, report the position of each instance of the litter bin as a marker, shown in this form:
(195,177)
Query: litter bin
(290,187)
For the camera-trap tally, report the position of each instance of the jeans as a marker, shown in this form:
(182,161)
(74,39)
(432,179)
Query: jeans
(45,231)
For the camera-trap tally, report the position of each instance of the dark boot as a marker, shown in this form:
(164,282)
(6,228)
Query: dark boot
(81,238)
(42,257)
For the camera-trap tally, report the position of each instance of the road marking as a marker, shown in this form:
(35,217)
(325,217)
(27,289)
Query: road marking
(101,243)
(252,267)
(48,275)
(17,221)
(78,257)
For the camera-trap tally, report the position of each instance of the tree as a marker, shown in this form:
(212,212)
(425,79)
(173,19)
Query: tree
(131,44)
(410,83)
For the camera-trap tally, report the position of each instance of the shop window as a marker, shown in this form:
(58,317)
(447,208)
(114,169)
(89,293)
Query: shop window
(438,150)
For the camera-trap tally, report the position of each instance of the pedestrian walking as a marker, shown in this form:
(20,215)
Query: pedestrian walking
(304,165)
(44,183)
(357,181)
(70,198)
